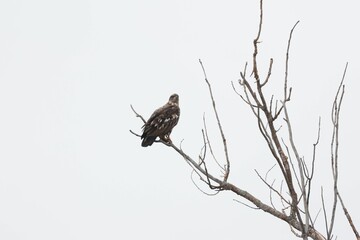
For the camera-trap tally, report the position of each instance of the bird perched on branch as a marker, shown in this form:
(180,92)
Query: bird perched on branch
(161,122)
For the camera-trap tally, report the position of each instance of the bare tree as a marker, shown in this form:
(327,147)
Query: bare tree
(295,172)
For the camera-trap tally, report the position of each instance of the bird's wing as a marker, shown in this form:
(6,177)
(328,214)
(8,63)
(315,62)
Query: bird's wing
(162,120)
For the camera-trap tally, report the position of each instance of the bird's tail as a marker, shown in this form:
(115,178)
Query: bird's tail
(148,141)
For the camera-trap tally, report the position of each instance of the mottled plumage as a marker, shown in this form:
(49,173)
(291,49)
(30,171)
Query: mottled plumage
(161,122)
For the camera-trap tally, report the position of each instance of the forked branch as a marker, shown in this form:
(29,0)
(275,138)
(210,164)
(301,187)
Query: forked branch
(227,172)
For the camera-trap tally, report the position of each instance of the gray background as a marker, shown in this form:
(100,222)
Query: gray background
(70,169)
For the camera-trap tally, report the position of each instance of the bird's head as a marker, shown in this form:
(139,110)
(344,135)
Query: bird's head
(174,99)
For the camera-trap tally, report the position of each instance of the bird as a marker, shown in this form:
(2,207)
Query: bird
(161,122)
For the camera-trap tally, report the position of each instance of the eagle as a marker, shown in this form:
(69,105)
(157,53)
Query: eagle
(161,122)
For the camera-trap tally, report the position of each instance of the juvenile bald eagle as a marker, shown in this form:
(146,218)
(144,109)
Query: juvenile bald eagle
(161,122)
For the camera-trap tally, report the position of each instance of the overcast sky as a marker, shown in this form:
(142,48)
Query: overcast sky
(69,70)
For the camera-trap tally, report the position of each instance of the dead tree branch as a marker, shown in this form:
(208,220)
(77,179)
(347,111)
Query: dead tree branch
(285,152)
(224,185)
(348,217)
(137,115)
(227,172)
(334,159)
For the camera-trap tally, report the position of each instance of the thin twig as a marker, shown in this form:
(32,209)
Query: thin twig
(203,149)
(270,187)
(311,175)
(210,147)
(134,133)
(202,191)
(291,162)
(137,115)
(255,42)
(301,173)
(325,215)
(246,101)
(268,171)
(334,154)
(269,73)
(335,145)
(348,217)
(270,193)
(227,172)
(317,214)
(247,205)
(287,61)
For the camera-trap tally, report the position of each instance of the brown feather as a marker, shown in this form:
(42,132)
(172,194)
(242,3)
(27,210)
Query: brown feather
(161,122)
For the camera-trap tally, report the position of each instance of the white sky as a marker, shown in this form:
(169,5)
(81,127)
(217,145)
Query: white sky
(70,169)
